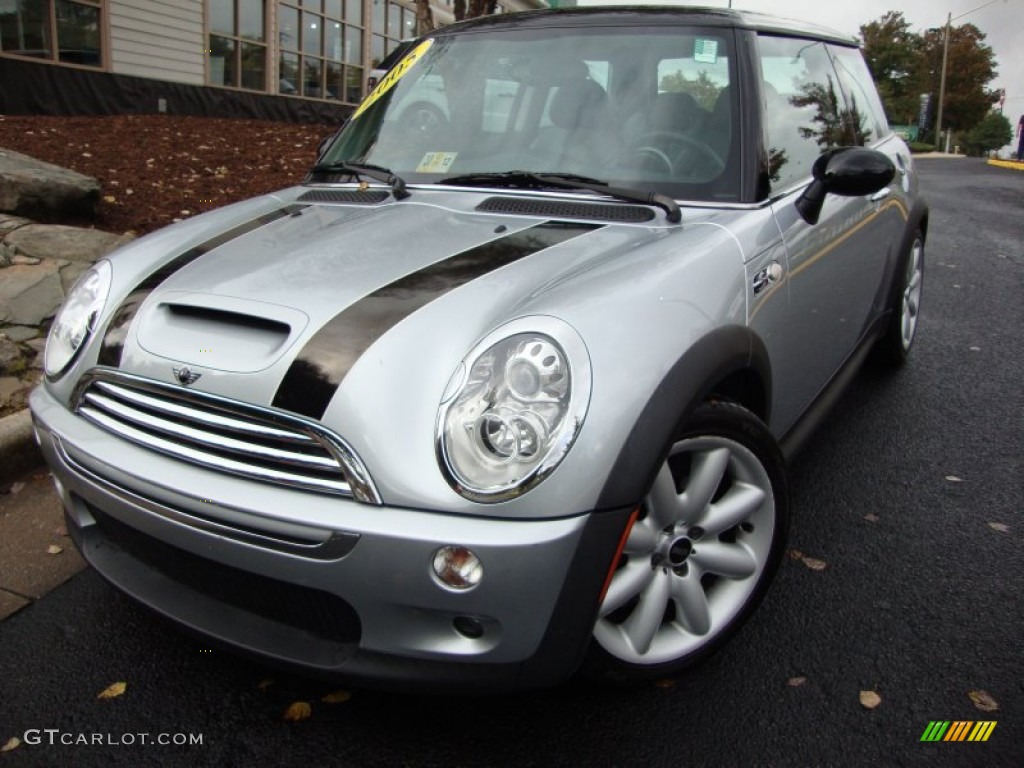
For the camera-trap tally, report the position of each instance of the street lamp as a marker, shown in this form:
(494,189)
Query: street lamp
(945,56)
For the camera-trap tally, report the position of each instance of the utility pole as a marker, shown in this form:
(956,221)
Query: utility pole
(942,84)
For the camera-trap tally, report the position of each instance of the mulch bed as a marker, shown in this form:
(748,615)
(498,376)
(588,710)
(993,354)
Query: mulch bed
(156,169)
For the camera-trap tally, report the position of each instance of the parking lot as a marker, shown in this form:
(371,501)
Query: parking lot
(910,495)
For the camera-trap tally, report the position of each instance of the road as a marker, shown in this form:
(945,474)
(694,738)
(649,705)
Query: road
(919,603)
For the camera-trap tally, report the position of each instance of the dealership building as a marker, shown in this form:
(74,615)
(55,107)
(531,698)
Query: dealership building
(278,59)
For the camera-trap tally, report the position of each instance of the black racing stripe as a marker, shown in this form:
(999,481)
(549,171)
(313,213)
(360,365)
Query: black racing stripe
(314,376)
(112,345)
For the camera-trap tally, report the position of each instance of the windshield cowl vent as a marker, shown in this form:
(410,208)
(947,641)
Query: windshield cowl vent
(344,196)
(561,209)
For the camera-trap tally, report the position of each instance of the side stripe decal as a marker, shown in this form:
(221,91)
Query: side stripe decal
(315,375)
(114,337)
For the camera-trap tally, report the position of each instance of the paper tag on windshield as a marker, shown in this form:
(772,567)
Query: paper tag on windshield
(705,51)
(436,162)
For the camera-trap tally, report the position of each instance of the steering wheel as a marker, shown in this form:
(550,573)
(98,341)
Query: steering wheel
(677,147)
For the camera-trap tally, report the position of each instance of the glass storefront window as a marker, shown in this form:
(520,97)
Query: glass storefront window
(311,72)
(27,28)
(222,17)
(354,11)
(78,33)
(222,60)
(237,50)
(250,19)
(288,73)
(287,27)
(332,40)
(353,45)
(311,34)
(323,44)
(394,21)
(354,92)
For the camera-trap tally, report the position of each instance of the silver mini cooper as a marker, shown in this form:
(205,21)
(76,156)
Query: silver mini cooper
(506,387)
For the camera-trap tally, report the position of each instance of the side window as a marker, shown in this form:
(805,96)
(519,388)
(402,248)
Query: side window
(802,107)
(865,113)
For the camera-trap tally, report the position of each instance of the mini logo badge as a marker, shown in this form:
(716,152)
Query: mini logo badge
(185,376)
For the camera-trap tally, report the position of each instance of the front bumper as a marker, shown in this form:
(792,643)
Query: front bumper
(325,584)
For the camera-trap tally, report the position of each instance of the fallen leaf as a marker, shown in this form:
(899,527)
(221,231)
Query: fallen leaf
(954,479)
(12,743)
(16,488)
(795,682)
(112,691)
(871,517)
(983,700)
(975,349)
(337,697)
(109,199)
(869,699)
(795,554)
(1001,527)
(814,563)
(60,530)
(297,710)
(265,683)
(54,549)
(666,683)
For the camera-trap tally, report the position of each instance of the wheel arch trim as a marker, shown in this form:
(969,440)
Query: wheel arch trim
(725,351)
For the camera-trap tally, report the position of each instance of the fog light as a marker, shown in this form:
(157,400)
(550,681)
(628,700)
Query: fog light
(457,567)
(469,627)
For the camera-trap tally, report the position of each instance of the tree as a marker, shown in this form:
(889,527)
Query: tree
(893,53)
(991,133)
(970,68)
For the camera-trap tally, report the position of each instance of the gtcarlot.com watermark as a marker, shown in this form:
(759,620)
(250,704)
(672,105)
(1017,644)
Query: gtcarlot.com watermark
(55,737)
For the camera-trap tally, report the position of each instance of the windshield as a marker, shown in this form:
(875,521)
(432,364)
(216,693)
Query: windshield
(638,107)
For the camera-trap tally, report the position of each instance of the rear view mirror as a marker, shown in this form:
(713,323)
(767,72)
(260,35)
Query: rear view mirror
(848,172)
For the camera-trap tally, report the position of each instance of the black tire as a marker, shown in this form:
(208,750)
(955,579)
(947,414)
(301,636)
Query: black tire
(682,556)
(894,346)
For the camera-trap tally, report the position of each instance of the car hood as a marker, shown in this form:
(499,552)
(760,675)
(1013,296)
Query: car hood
(357,316)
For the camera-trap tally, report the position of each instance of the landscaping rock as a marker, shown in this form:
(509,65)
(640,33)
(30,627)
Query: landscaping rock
(10,223)
(37,346)
(55,241)
(9,387)
(18,333)
(30,294)
(29,186)
(9,353)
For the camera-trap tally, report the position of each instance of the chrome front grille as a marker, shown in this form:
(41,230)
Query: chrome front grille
(222,434)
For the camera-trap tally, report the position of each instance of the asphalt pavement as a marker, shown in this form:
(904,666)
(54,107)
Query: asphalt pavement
(919,601)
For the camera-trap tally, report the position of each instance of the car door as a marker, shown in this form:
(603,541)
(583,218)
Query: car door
(835,267)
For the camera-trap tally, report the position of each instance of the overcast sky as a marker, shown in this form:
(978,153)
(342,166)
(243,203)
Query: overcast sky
(1002,22)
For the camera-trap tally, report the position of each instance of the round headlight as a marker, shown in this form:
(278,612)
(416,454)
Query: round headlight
(77,319)
(516,411)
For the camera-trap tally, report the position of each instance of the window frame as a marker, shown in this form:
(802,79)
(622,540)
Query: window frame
(321,56)
(237,39)
(102,6)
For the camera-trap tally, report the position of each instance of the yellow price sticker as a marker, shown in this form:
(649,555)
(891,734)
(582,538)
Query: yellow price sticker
(393,76)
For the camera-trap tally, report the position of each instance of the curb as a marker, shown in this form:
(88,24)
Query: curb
(1007,164)
(18,450)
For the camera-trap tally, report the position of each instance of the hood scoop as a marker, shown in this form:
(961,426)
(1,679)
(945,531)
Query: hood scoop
(219,332)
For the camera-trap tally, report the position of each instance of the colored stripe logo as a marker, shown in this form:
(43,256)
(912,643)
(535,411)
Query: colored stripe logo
(958,730)
(318,370)
(114,337)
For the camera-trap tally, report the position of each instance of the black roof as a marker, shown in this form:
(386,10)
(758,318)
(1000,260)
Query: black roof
(642,15)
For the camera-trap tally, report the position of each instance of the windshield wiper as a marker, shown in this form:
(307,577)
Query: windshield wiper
(376,172)
(532,180)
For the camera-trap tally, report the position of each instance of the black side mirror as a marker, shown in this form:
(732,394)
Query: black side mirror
(848,172)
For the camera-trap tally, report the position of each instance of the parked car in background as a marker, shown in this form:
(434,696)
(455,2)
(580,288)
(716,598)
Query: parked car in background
(508,392)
